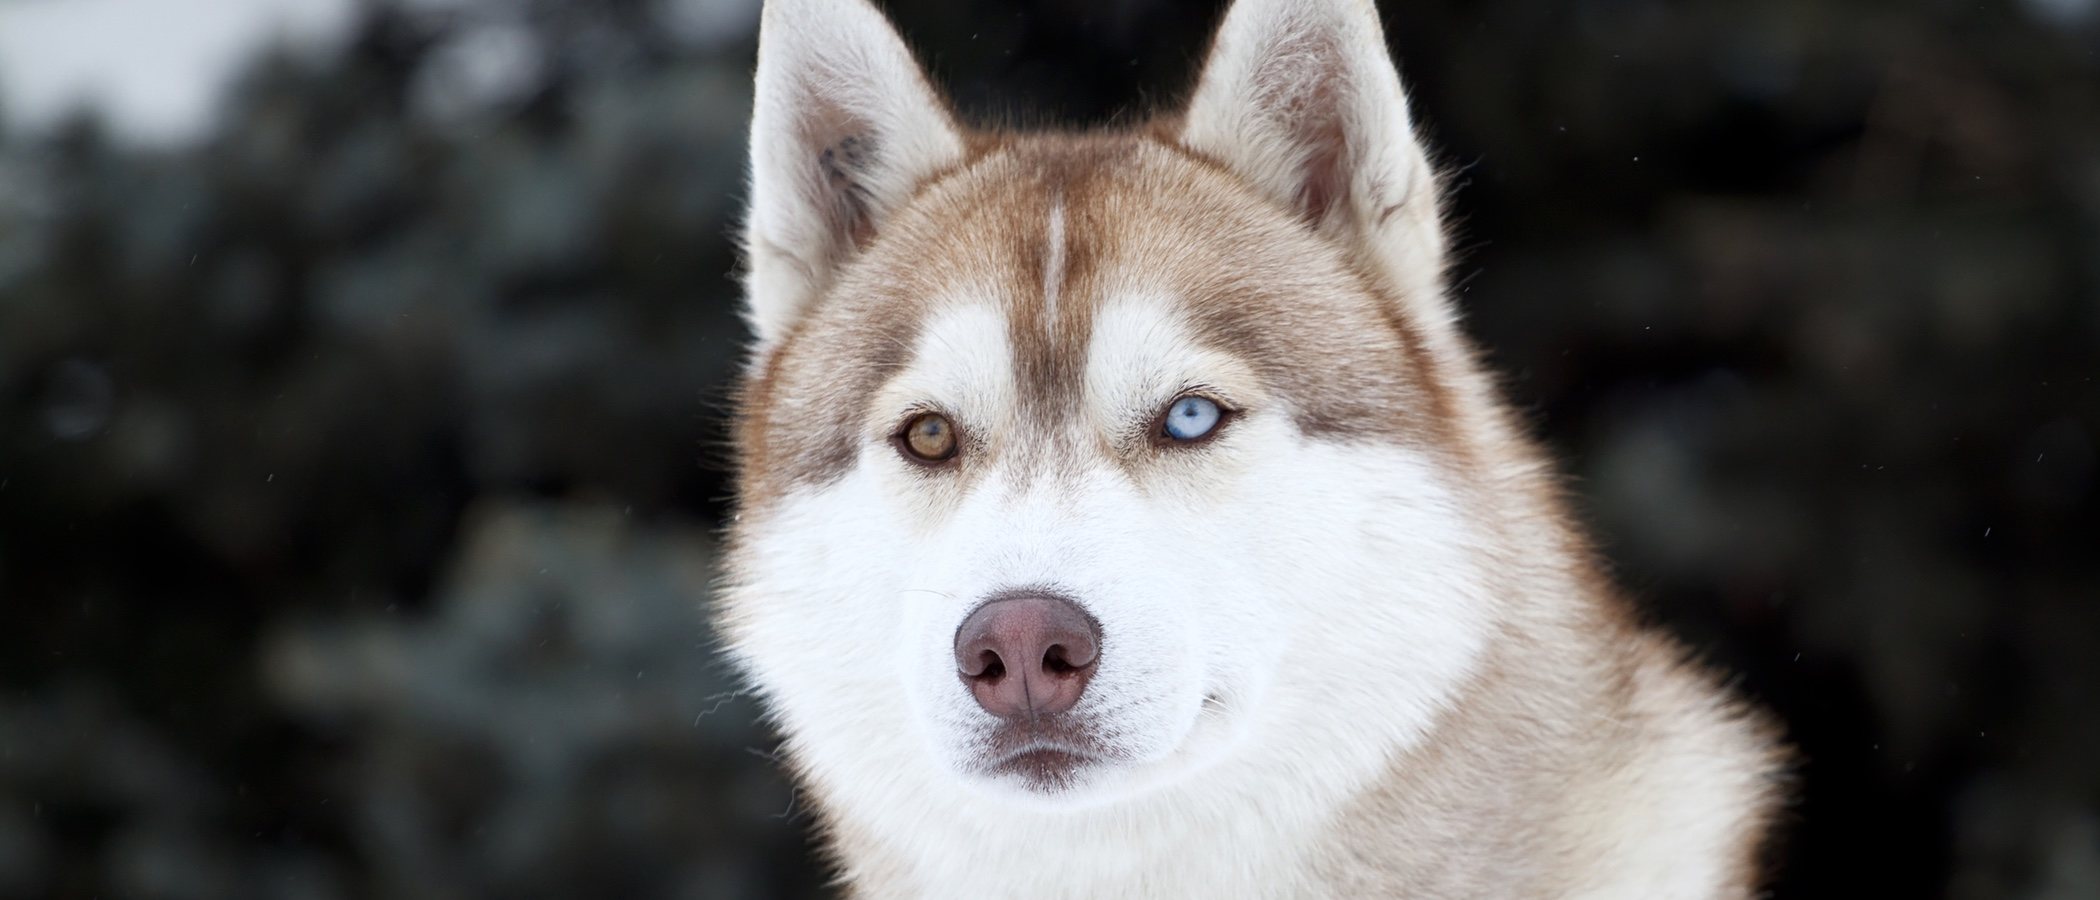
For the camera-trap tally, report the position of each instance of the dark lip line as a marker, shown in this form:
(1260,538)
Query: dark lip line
(998,753)
(1008,756)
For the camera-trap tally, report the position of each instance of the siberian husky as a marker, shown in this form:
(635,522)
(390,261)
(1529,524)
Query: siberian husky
(1125,513)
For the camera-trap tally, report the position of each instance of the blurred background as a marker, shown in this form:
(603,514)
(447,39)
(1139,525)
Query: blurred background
(363,371)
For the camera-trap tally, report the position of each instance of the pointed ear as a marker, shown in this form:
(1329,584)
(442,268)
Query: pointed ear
(1300,97)
(844,126)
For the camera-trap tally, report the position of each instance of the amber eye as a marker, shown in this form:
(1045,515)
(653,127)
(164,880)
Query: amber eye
(929,437)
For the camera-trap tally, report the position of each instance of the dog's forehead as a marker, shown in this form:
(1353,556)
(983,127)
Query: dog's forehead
(1073,250)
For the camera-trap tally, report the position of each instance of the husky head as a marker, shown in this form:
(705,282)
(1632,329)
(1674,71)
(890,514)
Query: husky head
(1077,469)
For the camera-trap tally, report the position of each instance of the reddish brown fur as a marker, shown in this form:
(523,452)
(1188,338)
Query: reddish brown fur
(1143,215)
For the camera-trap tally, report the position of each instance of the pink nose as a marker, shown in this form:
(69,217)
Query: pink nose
(1027,656)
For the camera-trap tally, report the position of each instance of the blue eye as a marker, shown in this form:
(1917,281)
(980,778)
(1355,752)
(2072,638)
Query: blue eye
(1190,418)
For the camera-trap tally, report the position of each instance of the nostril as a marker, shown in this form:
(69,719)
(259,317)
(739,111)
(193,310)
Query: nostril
(985,666)
(1058,661)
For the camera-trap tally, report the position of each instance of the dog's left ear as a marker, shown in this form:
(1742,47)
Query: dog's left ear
(1300,98)
(844,127)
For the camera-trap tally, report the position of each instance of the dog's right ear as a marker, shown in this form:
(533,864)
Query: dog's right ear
(844,126)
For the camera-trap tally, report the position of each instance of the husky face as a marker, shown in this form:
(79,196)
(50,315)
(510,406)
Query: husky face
(1077,469)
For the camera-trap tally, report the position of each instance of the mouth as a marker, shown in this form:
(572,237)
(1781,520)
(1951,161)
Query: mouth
(1046,758)
(1057,755)
(1047,768)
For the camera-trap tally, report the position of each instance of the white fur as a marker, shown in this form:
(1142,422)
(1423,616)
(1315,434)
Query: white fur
(1663,825)
(1279,549)
(827,70)
(1291,83)
(1053,262)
